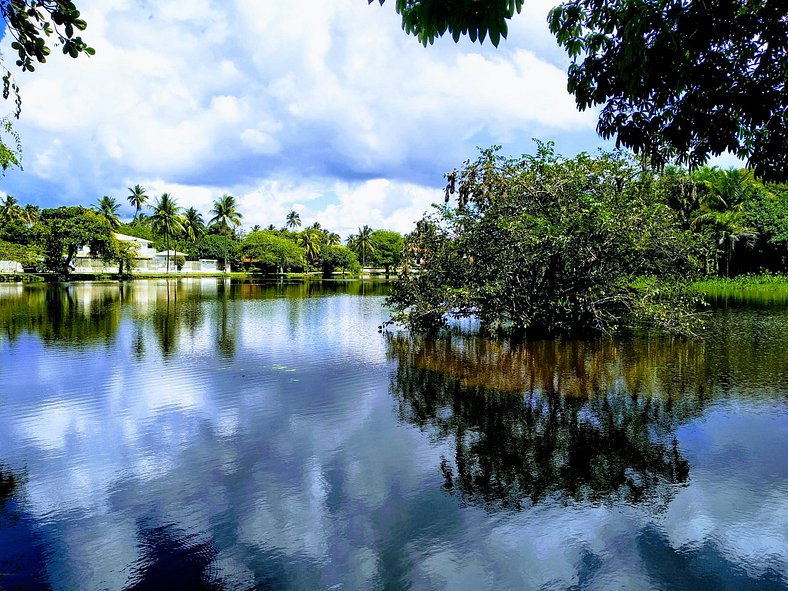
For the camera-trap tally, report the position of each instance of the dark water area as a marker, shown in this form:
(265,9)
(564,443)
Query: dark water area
(208,434)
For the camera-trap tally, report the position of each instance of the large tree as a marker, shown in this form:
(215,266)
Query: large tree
(271,252)
(544,244)
(387,249)
(63,231)
(677,80)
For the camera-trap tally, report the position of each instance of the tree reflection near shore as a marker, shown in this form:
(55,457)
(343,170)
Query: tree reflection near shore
(589,421)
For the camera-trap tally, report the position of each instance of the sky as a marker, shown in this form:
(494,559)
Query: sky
(327,108)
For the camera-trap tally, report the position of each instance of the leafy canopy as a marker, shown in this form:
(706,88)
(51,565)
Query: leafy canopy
(63,231)
(545,244)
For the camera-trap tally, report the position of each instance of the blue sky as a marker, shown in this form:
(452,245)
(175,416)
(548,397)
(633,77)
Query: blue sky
(327,108)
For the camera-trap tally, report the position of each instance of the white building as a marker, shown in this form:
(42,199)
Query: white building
(147,260)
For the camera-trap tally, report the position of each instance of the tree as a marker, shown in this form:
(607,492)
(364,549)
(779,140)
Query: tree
(10,211)
(269,251)
(333,239)
(30,214)
(166,221)
(108,207)
(336,256)
(309,240)
(386,249)
(720,214)
(137,198)
(63,231)
(193,224)
(543,244)
(215,246)
(430,19)
(293,220)
(361,244)
(226,217)
(678,80)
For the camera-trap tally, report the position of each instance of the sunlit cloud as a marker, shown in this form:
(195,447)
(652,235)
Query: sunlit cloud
(317,104)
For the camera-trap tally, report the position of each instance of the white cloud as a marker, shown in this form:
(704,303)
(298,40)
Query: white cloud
(310,98)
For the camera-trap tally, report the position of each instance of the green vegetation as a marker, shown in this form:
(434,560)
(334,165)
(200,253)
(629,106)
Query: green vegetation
(545,244)
(537,244)
(63,231)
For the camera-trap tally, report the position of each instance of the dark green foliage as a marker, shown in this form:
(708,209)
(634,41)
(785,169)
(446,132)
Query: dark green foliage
(479,19)
(17,232)
(215,246)
(140,228)
(387,253)
(545,244)
(63,231)
(27,255)
(337,257)
(267,251)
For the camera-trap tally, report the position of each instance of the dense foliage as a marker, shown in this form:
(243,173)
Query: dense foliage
(63,231)
(268,251)
(677,79)
(547,244)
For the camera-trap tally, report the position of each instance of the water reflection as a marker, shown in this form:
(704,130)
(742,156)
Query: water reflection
(246,436)
(575,419)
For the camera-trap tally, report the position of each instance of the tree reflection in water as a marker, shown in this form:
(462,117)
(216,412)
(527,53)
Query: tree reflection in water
(588,421)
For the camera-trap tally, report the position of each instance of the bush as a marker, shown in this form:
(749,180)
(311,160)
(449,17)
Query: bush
(545,244)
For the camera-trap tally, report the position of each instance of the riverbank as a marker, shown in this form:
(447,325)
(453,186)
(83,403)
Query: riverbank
(52,277)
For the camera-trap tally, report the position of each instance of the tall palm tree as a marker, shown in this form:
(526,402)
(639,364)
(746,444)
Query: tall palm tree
(361,244)
(137,198)
(108,208)
(293,220)
(227,217)
(193,224)
(333,239)
(166,221)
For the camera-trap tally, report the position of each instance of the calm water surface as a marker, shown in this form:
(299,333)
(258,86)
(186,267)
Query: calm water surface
(217,435)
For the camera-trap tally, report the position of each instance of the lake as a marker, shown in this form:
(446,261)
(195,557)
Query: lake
(209,434)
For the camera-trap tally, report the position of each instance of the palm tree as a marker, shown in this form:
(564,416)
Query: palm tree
(138,198)
(10,211)
(227,217)
(293,220)
(727,228)
(333,239)
(311,245)
(30,214)
(721,212)
(108,208)
(361,243)
(193,224)
(166,221)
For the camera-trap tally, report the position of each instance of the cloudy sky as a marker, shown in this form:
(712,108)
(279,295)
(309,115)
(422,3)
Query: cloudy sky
(327,108)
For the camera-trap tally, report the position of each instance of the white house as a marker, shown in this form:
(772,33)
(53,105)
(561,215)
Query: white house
(146,260)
